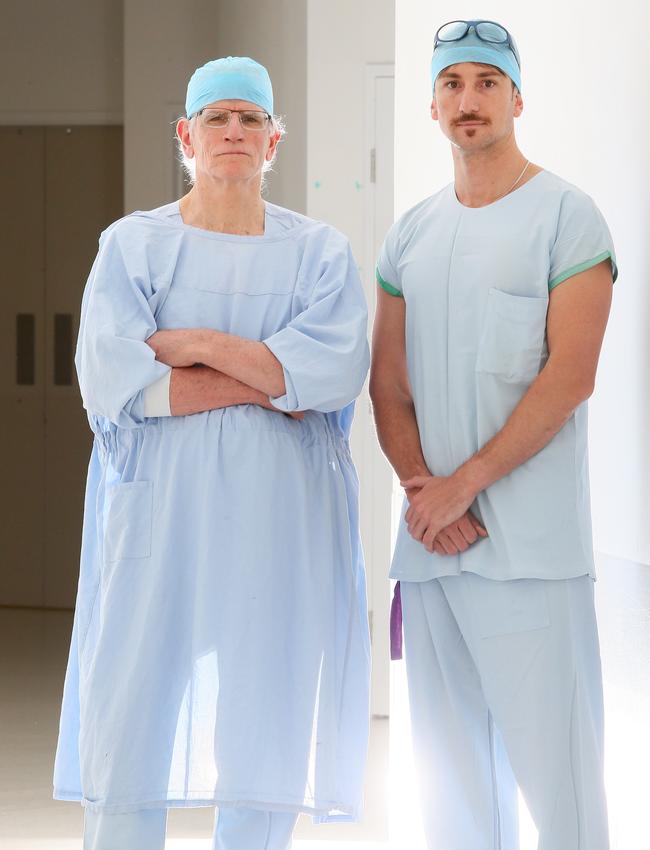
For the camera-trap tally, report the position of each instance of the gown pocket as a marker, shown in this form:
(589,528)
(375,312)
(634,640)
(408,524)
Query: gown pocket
(512,342)
(127,531)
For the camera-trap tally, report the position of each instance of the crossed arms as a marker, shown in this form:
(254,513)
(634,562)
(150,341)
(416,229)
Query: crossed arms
(438,513)
(211,369)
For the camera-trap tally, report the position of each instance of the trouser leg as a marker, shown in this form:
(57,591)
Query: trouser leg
(252,829)
(468,793)
(141,830)
(535,646)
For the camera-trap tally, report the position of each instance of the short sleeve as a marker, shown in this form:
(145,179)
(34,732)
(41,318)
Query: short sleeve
(582,241)
(323,350)
(114,363)
(387,276)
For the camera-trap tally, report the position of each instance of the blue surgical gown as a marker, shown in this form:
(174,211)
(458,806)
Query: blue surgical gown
(220,647)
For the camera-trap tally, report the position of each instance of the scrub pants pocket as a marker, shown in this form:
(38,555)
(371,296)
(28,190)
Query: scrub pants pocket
(506,607)
(127,530)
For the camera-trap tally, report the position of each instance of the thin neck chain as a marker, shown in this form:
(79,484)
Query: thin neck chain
(525,168)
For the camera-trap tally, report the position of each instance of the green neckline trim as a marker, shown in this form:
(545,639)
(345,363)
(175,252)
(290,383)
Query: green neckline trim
(387,286)
(582,267)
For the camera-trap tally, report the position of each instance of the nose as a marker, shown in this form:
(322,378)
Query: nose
(234,130)
(469,102)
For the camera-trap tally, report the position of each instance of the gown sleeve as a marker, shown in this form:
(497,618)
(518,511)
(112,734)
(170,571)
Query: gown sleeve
(324,349)
(114,363)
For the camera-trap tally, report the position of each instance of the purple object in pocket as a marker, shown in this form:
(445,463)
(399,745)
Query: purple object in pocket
(396,625)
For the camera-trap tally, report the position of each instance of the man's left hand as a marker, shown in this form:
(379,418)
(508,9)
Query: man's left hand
(441,501)
(177,347)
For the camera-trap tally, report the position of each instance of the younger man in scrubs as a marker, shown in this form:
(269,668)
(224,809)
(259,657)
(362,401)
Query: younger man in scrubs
(493,299)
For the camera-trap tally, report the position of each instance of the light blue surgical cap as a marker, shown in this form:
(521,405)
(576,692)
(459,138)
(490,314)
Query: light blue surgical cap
(230,78)
(472,49)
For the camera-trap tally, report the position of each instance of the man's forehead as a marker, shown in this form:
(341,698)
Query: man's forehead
(231,104)
(480,69)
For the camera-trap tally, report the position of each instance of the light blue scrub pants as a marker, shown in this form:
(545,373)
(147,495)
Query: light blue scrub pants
(505,688)
(235,829)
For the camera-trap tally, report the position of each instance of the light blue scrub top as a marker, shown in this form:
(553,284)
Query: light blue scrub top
(476,282)
(220,650)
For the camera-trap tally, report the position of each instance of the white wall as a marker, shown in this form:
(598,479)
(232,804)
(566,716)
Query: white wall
(586,119)
(61,62)
(342,38)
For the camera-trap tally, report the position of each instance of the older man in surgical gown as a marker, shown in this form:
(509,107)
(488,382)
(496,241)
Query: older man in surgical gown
(220,650)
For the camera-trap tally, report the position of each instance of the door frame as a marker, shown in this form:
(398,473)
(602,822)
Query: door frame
(376,475)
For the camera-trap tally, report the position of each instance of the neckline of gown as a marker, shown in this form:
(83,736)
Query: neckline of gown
(178,222)
(496,202)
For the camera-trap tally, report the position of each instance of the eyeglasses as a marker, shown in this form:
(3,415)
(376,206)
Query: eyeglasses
(488,31)
(249,119)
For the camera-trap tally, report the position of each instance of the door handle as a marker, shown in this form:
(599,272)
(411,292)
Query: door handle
(63,349)
(25,339)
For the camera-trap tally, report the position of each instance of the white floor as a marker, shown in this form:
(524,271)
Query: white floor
(33,650)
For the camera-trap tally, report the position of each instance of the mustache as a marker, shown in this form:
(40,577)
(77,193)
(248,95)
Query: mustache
(467,118)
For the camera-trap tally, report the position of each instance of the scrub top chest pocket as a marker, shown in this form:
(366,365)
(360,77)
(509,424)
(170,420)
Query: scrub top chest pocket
(512,340)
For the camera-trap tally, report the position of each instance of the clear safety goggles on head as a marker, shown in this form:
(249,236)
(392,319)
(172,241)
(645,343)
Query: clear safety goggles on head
(250,119)
(488,31)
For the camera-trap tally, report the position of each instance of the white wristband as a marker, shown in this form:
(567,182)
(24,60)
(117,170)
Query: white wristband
(156,397)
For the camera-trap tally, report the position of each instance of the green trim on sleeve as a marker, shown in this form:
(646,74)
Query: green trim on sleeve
(387,286)
(582,267)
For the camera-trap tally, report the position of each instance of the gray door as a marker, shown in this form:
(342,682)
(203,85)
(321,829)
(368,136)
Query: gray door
(62,186)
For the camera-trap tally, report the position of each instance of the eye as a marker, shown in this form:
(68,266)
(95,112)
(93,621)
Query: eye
(451,83)
(253,120)
(217,119)
(490,83)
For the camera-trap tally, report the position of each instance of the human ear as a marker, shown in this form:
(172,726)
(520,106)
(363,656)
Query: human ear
(434,109)
(183,133)
(273,143)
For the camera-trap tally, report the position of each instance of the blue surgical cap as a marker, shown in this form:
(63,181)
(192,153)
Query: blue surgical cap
(472,49)
(230,78)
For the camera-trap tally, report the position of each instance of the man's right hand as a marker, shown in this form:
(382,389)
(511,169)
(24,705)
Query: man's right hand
(457,536)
